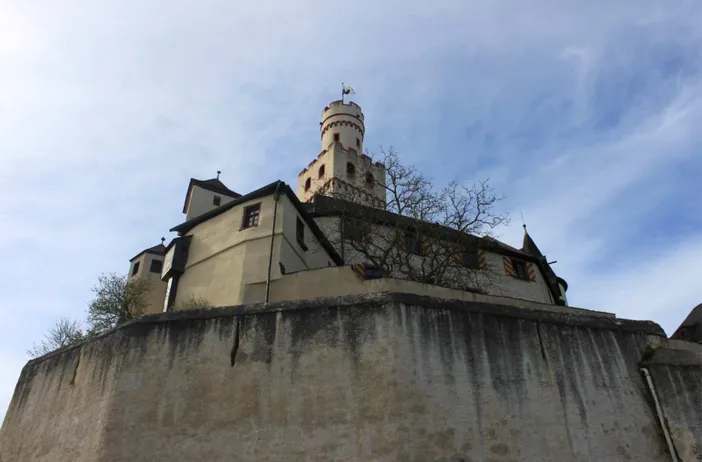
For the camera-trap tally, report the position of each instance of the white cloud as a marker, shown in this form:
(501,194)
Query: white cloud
(106,111)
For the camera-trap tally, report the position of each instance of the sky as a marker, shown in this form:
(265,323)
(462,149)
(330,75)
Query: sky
(585,115)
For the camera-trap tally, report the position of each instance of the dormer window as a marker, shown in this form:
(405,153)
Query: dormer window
(217,201)
(308,183)
(350,170)
(321,171)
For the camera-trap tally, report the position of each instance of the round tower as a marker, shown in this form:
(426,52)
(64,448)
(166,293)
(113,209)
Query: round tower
(342,123)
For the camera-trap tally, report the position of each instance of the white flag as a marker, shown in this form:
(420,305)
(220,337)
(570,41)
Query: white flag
(348,89)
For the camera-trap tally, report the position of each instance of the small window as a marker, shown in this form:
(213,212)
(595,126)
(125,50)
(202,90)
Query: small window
(251,215)
(217,201)
(358,142)
(300,233)
(156,266)
(370,181)
(350,169)
(135,269)
(413,245)
(308,183)
(321,171)
(336,137)
(520,270)
(371,272)
(469,259)
(355,230)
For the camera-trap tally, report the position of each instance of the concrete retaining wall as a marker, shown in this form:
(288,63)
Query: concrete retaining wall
(373,378)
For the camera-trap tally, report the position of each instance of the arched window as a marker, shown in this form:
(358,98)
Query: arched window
(370,181)
(308,183)
(321,171)
(350,169)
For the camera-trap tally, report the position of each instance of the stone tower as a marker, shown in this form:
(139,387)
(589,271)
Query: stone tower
(341,169)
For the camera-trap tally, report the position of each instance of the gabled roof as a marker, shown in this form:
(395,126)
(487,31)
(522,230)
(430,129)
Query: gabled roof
(213,184)
(159,249)
(332,206)
(277,186)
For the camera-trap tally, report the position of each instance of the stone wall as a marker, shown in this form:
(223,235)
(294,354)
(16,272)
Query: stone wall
(676,369)
(389,377)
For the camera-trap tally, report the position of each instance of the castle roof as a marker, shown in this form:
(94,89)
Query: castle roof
(529,246)
(213,184)
(159,249)
(279,187)
(691,328)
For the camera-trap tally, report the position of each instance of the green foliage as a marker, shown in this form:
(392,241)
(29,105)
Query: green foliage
(64,333)
(117,300)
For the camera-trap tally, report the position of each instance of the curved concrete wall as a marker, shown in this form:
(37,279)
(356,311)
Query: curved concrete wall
(374,378)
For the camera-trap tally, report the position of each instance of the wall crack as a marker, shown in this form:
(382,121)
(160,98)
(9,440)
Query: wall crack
(75,370)
(235,346)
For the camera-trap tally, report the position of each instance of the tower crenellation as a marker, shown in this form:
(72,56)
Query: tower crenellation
(341,168)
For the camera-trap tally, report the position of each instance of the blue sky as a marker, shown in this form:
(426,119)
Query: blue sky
(585,115)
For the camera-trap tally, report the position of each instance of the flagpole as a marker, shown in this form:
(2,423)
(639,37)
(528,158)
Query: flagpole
(342,93)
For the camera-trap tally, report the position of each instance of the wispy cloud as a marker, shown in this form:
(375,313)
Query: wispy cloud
(585,115)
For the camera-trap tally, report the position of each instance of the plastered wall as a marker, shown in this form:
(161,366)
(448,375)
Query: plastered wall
(374,378)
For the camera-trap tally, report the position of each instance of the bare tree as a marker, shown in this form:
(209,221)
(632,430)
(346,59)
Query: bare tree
(117,300)
(423,234)
(64,333)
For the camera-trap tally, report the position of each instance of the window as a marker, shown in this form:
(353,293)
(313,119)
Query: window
(321,171)
(371,272)
(336,137)
(300,233)
(217,201)
(355,230)
(350,169)
(412,244)
(358,142)
(307,184)
(156,266)
(370,181)
(251,214)
(469,259)
(520,269)
(135,269)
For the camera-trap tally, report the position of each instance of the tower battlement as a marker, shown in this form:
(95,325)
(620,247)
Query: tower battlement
(340,106)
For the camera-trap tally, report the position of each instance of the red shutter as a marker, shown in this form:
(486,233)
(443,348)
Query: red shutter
(531,272)
(482,264)
(509,269)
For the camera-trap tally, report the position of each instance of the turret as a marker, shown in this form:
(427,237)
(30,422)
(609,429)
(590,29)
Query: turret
(147,265)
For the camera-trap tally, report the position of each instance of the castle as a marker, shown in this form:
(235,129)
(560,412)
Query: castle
(234,249)
(315,353)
